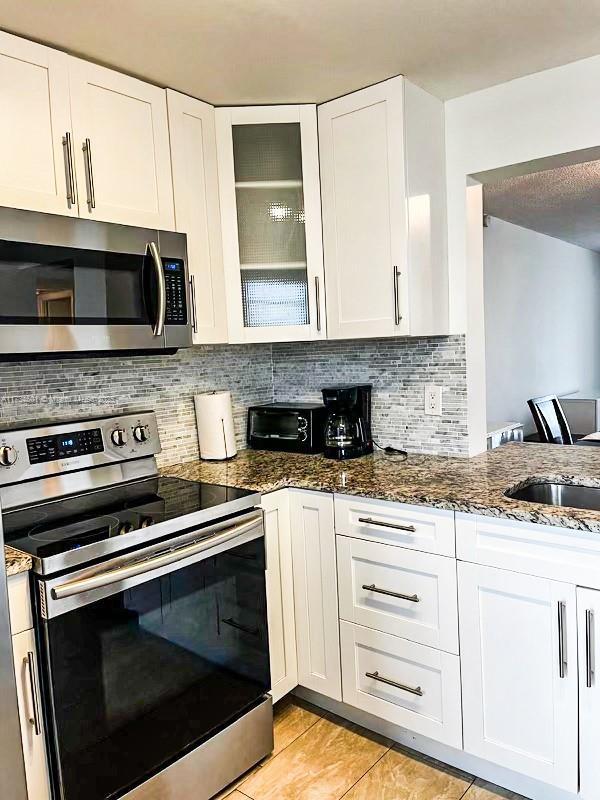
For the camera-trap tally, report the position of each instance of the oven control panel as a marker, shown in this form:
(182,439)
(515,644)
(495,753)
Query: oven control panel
(66,445)
(174,271)
(54,448)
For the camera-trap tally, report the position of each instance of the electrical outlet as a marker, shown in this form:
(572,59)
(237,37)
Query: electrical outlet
(433,399)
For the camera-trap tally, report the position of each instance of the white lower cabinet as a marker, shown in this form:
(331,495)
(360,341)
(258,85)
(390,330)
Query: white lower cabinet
(280,597)
(30,713)
(518,645)
(588,622)
(315,592)
(402,682)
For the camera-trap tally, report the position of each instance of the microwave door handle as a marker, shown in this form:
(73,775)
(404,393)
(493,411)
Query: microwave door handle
(161,291)
(141,566)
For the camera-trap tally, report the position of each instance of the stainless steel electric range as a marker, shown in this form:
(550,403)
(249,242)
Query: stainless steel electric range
(150,612)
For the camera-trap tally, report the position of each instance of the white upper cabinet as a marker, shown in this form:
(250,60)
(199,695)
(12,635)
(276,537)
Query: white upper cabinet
(384,212)
(36,120)
(196,190)
(121,146)
(271,221)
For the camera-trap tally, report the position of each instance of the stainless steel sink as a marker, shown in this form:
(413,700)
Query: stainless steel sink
(559,494)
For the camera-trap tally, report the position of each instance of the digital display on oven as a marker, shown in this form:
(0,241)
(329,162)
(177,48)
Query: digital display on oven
(67,445)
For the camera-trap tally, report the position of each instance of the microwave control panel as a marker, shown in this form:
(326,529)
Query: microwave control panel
(174,272)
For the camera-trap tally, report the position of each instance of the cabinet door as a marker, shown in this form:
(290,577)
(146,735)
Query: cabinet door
(196,192)
(315,592)
(518,645)
(280,594)
(34,87)
(121,143)
(271,222)
(30,713)
(363,191)
(588,620)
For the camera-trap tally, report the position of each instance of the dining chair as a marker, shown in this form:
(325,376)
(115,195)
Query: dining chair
(550,420)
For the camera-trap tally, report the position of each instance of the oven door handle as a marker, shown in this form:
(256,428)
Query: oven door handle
(150,563)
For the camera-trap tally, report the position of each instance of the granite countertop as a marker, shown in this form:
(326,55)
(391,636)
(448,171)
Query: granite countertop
(475,485)
(16,562)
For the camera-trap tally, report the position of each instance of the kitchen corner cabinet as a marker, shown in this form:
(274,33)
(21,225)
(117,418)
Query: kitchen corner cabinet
(196,193)
(34,87)
(121,147)
(518,645)
(271,222)
(280,597)
(384,212)
(315,592)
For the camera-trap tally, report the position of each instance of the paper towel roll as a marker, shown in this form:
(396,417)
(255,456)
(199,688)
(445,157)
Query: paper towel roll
(214,420)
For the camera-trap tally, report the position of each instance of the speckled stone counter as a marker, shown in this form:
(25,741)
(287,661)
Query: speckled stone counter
(16,562)
(475,485)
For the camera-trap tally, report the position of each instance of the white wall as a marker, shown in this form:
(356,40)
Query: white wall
(540,115)
(542,319)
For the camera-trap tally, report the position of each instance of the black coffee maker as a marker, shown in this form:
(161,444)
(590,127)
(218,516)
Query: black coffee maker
(348,424)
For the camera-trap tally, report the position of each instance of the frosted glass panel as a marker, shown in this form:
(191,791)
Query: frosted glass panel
(270,225)
(274,297)
(267,152)
(271,229)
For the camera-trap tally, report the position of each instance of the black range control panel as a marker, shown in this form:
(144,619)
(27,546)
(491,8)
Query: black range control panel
(66,445)
(175,286)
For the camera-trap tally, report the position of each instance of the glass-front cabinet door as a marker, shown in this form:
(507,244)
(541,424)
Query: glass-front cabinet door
(271,222)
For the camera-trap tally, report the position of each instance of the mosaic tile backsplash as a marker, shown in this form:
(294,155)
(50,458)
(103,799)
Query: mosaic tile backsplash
(399,369)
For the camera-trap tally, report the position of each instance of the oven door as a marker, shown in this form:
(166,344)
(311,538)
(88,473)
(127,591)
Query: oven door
(147,656)
(69,285)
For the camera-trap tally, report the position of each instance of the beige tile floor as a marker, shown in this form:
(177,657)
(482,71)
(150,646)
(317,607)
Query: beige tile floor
(318,756)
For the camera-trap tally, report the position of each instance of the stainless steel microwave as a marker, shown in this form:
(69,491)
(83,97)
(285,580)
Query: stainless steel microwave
(71,286)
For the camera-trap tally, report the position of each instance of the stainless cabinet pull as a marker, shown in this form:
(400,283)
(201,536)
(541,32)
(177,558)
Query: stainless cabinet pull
(393,525)
(562,644)
(193,301)
(397,313)
(69,169)
(161,303)
(589,644)
(412,689)
(89,174)
(29,663)
(318,302)
(414,598)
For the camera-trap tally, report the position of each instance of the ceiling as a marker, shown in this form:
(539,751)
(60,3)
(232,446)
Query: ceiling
(267,51)
(562,202)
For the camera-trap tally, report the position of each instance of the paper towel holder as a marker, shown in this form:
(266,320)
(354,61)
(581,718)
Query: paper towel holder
(214,422)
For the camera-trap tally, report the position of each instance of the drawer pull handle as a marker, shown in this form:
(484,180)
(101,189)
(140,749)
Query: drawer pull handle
(394,525)
(412,689)
(562,641)
(414,598)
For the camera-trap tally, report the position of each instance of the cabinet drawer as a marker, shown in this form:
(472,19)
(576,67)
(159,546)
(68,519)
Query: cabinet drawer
(399,591)
(402,682)
(19,603)
(415,527)
(562,554)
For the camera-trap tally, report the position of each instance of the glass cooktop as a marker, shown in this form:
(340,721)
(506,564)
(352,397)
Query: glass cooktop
(70,523)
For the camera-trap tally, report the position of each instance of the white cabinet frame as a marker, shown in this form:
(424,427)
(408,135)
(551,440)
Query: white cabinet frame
(256,115)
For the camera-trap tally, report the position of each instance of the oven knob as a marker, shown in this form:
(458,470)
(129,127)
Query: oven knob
(140,434)
(124,527)
(8,456)
(146,522)
(119,437)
